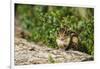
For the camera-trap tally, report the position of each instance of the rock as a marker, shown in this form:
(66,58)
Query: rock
(26,53)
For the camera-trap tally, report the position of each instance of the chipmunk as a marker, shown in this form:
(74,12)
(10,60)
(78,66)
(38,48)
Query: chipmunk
(74,41)
(67,39)
(63,39)
(19,32)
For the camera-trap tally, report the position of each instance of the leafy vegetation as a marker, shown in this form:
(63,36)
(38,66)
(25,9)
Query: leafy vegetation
(50,59)
(44,21)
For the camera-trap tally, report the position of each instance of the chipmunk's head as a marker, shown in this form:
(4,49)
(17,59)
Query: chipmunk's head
(63,31)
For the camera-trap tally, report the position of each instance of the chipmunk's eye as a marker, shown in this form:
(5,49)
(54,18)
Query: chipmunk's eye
(68,31)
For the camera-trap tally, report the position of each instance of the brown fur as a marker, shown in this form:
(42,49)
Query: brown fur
(74,41)
(67,39)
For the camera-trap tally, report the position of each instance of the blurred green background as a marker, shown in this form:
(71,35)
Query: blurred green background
(43,22)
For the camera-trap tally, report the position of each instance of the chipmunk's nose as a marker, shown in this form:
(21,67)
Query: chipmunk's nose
(62,39)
